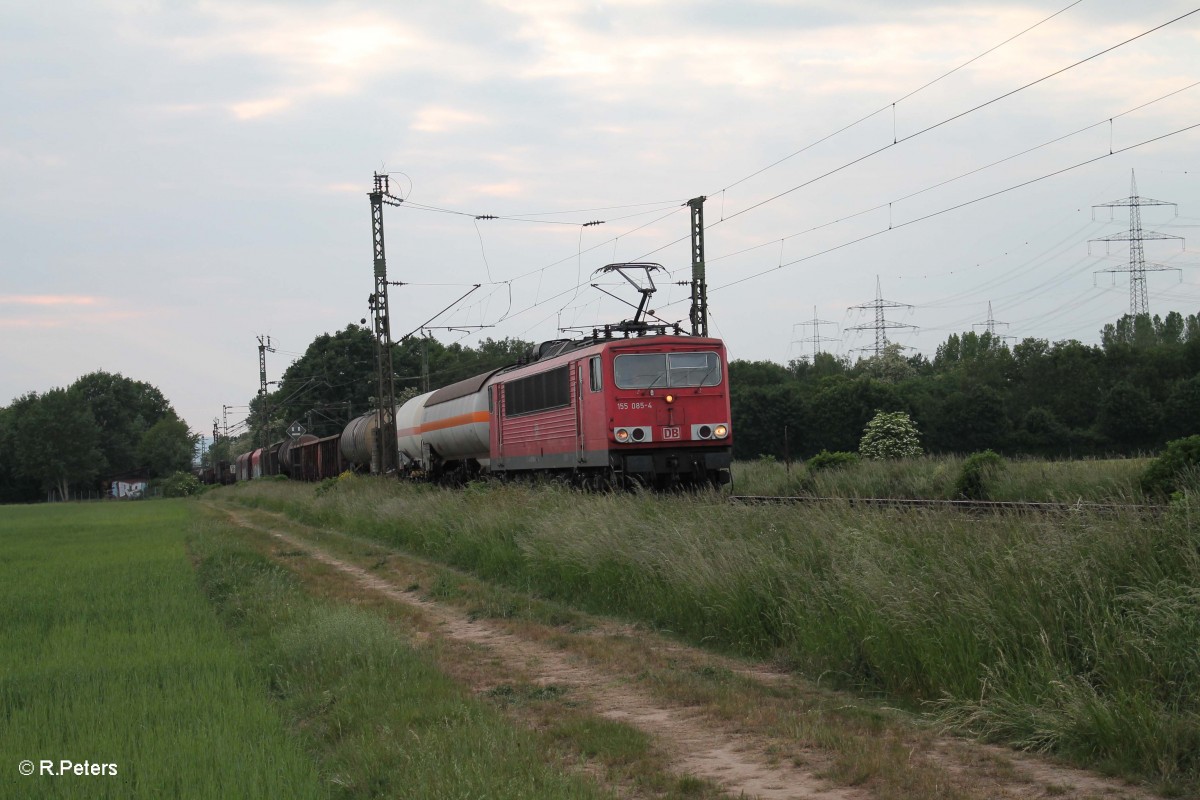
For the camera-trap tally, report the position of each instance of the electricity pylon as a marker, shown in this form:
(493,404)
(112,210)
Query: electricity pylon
(1137,266)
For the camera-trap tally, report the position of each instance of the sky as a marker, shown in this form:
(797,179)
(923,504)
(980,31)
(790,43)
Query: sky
(181,178)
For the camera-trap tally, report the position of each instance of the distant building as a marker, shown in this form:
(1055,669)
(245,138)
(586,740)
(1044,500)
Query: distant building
(130,486)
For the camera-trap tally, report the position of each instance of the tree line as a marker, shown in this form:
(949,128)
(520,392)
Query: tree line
(100,427)
(1136,390)
(335,381)
(1133,392)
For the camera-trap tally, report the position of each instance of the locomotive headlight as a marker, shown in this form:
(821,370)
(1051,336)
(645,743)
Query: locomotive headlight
(670,398)
(721,431)
(622,435)
(704,432)
(638,434)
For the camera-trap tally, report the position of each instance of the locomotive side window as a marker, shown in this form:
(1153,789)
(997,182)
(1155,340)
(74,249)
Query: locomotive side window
(663,370)
(597,384)
(546,390)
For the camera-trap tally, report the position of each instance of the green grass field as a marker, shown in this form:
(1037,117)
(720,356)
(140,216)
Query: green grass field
(111,655)
(153,642)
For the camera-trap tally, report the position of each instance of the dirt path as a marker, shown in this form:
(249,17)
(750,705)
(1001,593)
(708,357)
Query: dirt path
(697,743)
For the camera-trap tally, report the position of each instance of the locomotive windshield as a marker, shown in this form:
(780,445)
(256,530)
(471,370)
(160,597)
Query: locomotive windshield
(667,370)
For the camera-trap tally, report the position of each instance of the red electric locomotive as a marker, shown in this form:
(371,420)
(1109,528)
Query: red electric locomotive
(631,404)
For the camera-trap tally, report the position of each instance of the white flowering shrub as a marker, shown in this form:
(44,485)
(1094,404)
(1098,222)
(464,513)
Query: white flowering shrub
(890,434)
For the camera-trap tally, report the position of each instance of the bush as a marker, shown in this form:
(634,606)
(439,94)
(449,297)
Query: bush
(331,484)
(1170,471)
(974,475)
(181,484)
(890,435)
(826,460)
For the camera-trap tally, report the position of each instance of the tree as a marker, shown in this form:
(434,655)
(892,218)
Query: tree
(1042,433)
(56,441)
(335,380)
(821,365)
(1182,411)
(840,409)
(764,413)
(757,373)
(1129,418)
(890,435)
(124,410)
(973,420)
(167,448)
(15,485)
(326,387)
(889,366)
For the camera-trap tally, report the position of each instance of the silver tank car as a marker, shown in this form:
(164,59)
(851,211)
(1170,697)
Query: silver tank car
(449,425)
(358,441)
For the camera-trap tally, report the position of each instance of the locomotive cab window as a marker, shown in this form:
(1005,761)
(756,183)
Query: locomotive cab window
(666,370)
(693,369)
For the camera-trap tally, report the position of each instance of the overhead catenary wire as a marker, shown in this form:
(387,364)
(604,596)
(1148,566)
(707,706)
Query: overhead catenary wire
(960,176)
(892,104)
(531,217)
(578,284)
(872,235)
(929,128)
(956,207)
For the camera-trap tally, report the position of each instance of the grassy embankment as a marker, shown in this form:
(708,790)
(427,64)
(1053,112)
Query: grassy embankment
(110,653)
(1073,634)
(933,477)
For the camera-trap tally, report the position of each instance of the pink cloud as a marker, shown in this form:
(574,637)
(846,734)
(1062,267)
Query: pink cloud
(48,300)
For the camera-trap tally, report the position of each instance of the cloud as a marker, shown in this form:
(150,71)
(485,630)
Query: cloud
(253,109)
(48,300)
(440,119)
(507,189)
(51,311)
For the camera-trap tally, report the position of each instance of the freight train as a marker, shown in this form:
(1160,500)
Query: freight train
(633,404)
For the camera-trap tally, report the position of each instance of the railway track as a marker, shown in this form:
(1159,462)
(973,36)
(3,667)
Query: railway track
(975,506)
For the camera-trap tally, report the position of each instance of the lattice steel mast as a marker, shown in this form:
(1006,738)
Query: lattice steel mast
(816,338)
(264,347)
(881,325)
(385,441)
(699,311)
(990,325)
(1137,266)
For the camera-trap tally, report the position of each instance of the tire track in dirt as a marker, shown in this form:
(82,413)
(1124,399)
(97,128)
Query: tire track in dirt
(696,746)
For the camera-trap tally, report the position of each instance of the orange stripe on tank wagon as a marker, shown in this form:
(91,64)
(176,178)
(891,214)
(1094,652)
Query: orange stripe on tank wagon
(455,421)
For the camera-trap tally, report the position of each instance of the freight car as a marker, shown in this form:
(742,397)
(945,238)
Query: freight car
(634,403)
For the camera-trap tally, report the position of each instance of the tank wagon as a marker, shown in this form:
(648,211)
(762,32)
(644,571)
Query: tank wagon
(652,410)
(634,403)
(648,410)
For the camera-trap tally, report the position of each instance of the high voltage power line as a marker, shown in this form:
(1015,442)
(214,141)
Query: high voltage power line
(929,128)
(675,208)
(964,204)
(526,217)
(889,204)
(892,105)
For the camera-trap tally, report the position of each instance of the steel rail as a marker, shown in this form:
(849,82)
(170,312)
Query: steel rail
(993,506)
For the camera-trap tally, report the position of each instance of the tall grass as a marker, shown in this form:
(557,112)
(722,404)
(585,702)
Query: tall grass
(1076,634)
(934,477)
(109,654)
(378,716)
